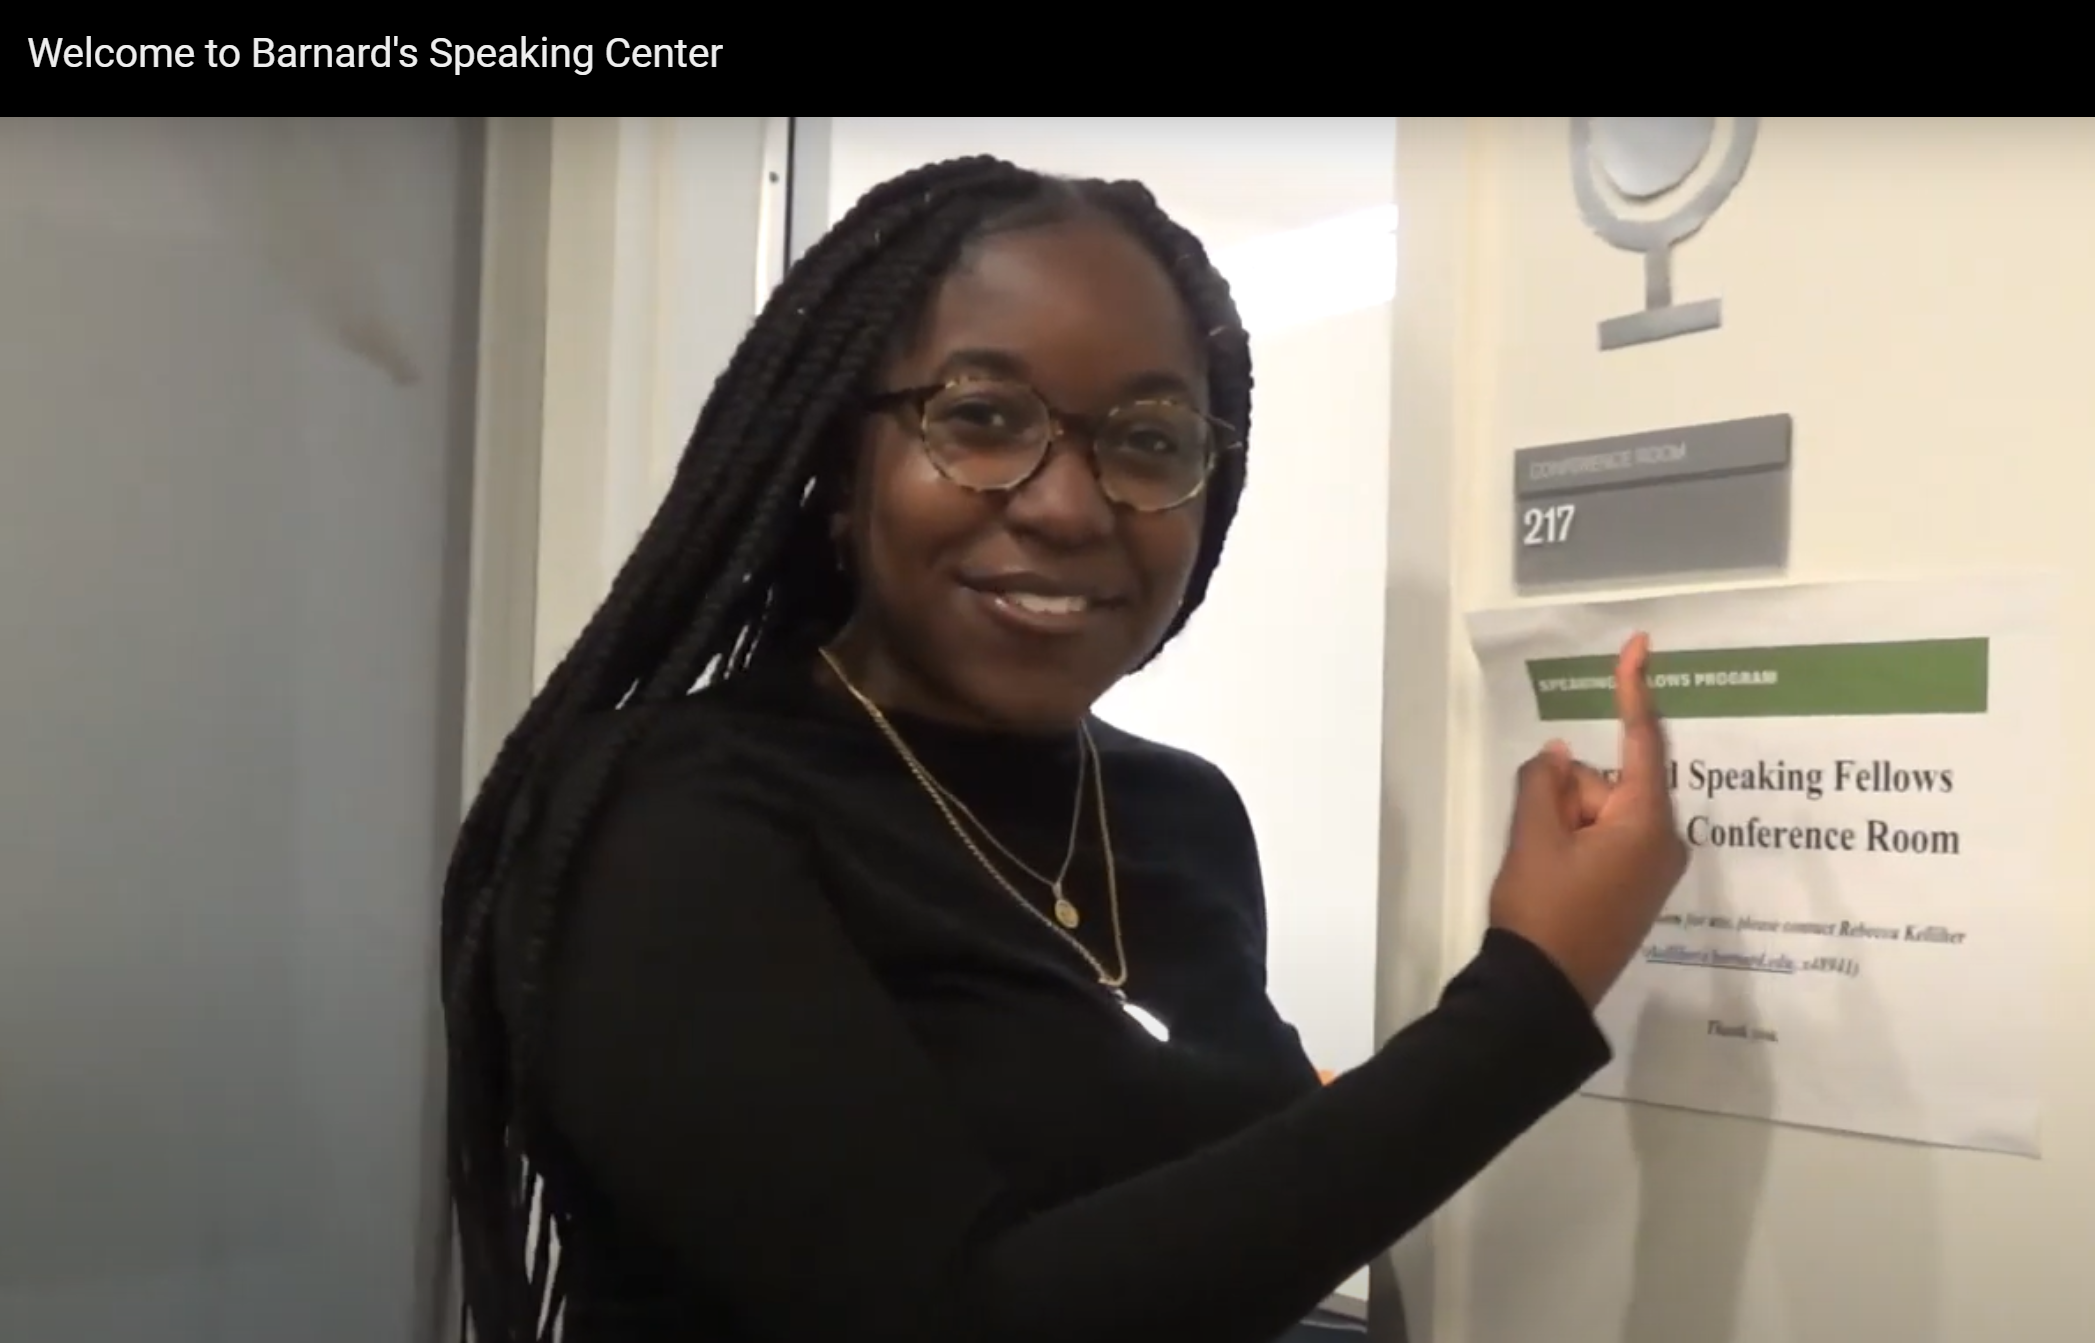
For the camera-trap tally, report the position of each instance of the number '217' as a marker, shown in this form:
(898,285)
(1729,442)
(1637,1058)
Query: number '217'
(1550,526)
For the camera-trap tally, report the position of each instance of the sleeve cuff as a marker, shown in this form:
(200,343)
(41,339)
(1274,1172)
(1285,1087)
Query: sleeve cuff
(1524,970)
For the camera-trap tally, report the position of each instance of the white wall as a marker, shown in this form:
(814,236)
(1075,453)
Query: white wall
(1917,293)
(1279,678)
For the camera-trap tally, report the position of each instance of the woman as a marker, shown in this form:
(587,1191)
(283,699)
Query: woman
(831,1001)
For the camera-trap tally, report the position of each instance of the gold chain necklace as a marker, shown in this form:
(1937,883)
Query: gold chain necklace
(1115,980)
(1066,912)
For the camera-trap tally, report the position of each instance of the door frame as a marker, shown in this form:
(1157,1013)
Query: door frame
(622,259)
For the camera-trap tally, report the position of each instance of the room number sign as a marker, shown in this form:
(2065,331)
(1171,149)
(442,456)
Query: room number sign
(1667,503)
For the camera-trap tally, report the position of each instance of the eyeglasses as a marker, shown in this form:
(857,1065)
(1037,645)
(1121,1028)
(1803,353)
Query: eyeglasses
(992,435)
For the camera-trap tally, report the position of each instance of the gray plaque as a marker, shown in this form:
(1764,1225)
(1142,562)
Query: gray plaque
(1705,499)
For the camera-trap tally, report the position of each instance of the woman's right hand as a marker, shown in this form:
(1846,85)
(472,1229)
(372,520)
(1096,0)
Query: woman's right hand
(1592,861)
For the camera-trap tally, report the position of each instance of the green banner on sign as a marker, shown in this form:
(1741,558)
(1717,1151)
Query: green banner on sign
(1921,676)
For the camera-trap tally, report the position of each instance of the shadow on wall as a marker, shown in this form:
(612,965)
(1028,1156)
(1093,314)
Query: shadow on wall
(1702,1183)
(1700,1180)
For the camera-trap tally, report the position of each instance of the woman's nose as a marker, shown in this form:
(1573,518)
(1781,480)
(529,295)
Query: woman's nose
(1063,503)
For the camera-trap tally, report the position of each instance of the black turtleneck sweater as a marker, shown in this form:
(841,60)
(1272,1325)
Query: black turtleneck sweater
(812,1076)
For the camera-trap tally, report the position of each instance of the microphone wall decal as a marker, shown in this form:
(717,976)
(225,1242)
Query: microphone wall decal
(1636,161)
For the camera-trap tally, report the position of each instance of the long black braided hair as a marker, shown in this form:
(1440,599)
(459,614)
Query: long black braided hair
(738,562)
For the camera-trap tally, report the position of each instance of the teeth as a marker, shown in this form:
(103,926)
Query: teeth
(1047,606)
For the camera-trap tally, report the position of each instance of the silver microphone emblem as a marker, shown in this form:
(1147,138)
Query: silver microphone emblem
(1621,167)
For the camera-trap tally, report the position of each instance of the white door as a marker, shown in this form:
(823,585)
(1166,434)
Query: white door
(237,364)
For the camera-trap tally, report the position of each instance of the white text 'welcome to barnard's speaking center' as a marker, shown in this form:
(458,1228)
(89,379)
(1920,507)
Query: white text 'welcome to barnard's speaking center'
(452,55)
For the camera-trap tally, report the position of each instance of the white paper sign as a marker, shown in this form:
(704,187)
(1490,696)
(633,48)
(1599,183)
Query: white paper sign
(1864,773)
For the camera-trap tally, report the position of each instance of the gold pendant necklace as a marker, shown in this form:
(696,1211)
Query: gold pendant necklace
(1065,910)
(1064,917)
